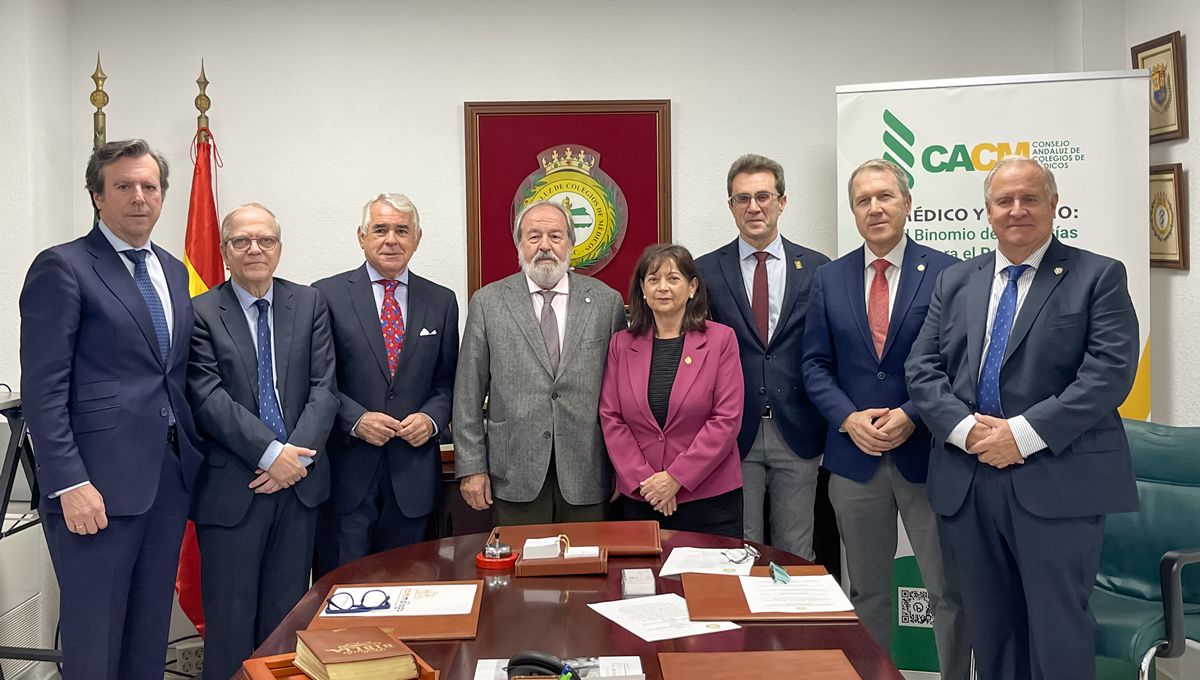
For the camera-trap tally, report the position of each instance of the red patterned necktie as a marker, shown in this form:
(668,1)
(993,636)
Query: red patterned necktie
(391,320)
(877,307)
(760,303)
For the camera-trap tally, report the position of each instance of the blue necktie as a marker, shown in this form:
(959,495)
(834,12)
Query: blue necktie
(141,276)
(988,392)
(268,405)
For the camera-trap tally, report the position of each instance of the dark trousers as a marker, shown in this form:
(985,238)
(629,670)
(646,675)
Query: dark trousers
(547,508)
(251,575)
(720,515)
(375,525)
(117,585)
(1025,583)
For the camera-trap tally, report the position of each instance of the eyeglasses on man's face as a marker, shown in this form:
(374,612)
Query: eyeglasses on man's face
(345,603)
(762,198)
(242,243)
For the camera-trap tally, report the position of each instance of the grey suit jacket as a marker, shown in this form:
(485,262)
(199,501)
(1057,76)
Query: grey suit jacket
(531,410)
(223,392)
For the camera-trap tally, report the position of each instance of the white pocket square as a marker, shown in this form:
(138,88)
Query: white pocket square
(426,331)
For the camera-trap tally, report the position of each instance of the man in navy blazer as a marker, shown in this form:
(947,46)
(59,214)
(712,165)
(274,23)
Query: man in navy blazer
(782,433)
(864,312)
(1025,355)
(260,380)
(396,339)
(105,325)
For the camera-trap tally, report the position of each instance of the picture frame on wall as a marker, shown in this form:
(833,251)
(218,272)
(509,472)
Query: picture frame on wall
(1168,217)
(607,161)
(1164,58)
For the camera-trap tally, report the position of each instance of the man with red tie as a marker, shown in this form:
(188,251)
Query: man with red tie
(396,339)
(864,312)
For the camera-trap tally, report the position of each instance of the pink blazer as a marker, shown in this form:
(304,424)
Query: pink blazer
(699,444)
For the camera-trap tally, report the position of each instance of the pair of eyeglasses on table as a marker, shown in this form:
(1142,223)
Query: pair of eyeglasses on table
(345,603)
(742,554)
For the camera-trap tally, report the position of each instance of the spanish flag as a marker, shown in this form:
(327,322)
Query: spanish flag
(202,255)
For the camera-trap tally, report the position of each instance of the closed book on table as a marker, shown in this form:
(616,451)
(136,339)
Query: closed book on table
(619,538)
(801,664)
(361,653)
(408,627)
(719,597)
(283,667)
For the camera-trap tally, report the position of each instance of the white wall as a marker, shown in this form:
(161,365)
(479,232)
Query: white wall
(317,106)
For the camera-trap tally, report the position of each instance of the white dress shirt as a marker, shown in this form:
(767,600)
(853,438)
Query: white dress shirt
(1028,440)
(776,277)
(558,304)
(896,259)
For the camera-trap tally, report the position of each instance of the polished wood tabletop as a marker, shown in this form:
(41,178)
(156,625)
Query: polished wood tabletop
(550,614)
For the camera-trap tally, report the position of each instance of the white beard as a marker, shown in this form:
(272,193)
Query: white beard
(544,276)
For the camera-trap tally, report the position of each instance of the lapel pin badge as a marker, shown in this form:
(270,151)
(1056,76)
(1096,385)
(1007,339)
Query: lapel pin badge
(920,267)
(587,299)
(798,264)
(687,360)
(1058,271)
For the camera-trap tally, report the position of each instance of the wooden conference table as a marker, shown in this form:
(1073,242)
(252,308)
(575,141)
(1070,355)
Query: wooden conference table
(550,614)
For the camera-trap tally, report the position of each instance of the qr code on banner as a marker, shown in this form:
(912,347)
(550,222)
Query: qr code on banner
(915,611)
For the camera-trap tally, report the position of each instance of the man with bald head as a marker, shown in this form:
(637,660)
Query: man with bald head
(260,380)
(396,338)
(534,347)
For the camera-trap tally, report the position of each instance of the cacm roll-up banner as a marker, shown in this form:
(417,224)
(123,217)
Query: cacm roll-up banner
(1090,129)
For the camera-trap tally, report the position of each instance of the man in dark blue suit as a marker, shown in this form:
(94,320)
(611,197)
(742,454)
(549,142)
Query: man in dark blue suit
(758,285)
(396,339)
(1018,371)
(864,312)
(260,380)
(105,325)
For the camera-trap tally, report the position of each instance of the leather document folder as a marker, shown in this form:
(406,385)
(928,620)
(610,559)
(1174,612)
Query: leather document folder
(802,664)
(719,597)
(406,628)
(619,538)
(563,566)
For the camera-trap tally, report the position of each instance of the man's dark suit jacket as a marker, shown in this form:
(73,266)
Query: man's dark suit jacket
(424,382)
(1070,362)
(223,389)
(94,388)
(772,371)
(842,372)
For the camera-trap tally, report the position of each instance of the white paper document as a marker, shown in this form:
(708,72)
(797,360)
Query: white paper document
(541,548)
(804,595)
(430,600)
(658,617)
(701,561)
(582,551)
(607,667)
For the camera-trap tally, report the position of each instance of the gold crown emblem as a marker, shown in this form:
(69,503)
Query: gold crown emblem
(580,162)
(1158,75)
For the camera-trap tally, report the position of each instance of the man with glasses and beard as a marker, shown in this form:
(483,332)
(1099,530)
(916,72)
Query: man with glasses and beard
(535,347)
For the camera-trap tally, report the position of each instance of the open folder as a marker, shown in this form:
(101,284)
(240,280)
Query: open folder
(462,624)
(719,597)
(826,664)
(620,538)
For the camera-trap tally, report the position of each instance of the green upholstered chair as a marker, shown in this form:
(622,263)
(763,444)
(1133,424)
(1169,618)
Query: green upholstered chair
(1145,605)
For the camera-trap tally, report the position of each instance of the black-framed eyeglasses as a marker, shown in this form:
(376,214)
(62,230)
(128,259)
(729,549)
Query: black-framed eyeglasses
(240,243)
(740,555)
(762,198)
(343,602)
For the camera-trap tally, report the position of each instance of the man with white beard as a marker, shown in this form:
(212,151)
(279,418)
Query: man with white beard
(534,348)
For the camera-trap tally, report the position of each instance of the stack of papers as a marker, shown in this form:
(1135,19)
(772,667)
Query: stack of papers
(803,595)
(429,600)
(702,561)
(658,617)
(541,548)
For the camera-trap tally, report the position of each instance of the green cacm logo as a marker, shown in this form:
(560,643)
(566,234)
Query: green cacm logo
(901,150)
(899,140)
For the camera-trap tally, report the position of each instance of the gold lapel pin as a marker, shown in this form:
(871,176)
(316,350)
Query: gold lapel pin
(798,264)
(920,267)
(587,299)
(1058,271)
(687,360)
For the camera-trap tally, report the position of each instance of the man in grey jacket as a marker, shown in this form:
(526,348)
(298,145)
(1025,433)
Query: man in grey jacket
(534,347)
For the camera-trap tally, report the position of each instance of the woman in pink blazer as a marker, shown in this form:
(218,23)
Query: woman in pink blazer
(671,403)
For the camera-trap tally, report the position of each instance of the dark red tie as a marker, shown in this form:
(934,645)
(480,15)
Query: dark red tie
(877,306)
(391,321)
(760,303)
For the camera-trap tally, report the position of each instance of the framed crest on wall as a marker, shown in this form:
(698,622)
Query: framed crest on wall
(1164,58)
